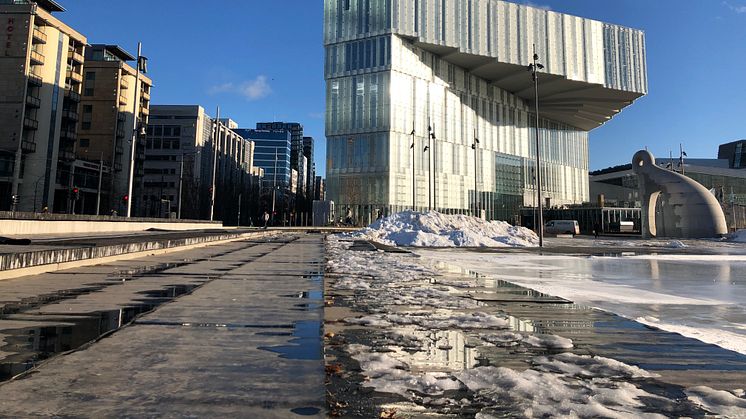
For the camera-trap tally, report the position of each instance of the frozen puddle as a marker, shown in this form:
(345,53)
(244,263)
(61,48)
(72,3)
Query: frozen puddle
(405,336)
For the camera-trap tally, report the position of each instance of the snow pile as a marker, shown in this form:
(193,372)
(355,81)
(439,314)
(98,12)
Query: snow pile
(429,320)
(739,236)
(433,229)
(676,244)
(719,402)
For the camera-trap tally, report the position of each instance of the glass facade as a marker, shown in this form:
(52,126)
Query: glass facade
(271,149)
(398,71)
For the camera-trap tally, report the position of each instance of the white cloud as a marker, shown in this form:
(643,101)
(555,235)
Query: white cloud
(256,89)
(538,6)
(737,9)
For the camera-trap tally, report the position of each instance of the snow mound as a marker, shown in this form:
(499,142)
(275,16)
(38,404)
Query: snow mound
(676,244)
(433,229)
(739,236)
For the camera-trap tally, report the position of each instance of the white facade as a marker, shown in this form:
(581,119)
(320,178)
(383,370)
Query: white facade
(458,67)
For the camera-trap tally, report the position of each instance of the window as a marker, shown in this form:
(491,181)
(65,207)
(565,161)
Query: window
(88,91)
(90,75)
(85,125)
(87,108)
(85,142)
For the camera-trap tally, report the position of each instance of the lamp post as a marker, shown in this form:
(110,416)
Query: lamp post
(534,69)
(474,147)
(414,174)
(429,185)
(140,66)
(274,188)
(215,141)
(435,166)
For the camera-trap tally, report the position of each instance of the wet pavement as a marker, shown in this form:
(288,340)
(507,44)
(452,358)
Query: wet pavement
(410,353)
(226,330)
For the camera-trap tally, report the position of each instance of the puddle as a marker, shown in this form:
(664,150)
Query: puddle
(48,334)
(306,342)
(306,411)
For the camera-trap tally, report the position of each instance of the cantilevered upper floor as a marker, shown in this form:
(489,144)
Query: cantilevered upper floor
(592,70)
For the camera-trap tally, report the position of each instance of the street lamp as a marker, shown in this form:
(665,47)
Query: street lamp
(474,147)
(140,66)
(435,166)
(534,69)
(414,174)
(429,185)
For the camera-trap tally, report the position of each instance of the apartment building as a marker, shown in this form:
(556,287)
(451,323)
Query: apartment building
(180,163)
(41,74)
(106,127)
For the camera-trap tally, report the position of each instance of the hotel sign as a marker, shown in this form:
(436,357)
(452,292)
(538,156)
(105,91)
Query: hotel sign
(10,26)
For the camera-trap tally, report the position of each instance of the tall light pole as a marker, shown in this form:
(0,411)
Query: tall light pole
(435,166)
(100,178)
(474,147)
(414,174)
(534,69)
(215,140)
(429,184)
(274,188)
(139,66)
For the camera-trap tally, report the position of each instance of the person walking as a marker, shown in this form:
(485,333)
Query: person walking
(265,217)
(596,229)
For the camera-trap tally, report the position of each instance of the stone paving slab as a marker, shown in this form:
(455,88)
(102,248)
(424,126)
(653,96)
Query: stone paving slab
(245,344)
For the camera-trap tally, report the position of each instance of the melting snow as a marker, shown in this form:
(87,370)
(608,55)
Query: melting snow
(433,229)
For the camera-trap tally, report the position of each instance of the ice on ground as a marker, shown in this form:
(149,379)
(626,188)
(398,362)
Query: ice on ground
(433,229)
(434,320)
(719,402)
(739,236)
(589,366)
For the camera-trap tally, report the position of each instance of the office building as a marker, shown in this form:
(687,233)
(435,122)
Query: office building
(106,126)
(272,150)
(456,70)
(41,72)
(735,153)
(308,145)
(296,138)
(180,162)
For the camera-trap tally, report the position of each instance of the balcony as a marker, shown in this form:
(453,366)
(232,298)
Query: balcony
(33,102)
(72,95)
(145,94)
(35,80)
(67,155)
(75,56)
(124,84)
(31,124)
(39,37)
(37,58)
(76,77)
(68,136)
(28,146)
(71,115)
(121,117)
(122,100)
(144,110)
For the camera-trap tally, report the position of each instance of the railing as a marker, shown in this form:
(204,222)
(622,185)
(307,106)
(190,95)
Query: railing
(67,155)
(35,79)
(74,76)
(124,83)
(28,146)
(68,135)
(30,123)
(75,56)
(33,101)
(40,36)
(72,95)
(37,58)
(7,215)
(120,132)
(144,110)
(122,99)
(71,115)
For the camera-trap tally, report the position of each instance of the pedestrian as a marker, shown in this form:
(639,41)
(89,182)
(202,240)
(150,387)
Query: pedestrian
(266,219)
(596,229)
(348,218)
(45,210)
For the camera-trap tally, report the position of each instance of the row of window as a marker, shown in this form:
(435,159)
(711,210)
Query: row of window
(162,144)
(164,131)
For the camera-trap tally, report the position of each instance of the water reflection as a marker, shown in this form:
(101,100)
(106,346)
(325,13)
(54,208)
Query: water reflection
(439,350)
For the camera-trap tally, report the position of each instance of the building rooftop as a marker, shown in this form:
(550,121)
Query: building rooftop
(48,5)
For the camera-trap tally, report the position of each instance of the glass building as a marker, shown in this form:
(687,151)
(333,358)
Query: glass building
(400,72)
(272,150)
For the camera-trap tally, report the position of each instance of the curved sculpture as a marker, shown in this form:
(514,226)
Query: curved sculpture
(674,205)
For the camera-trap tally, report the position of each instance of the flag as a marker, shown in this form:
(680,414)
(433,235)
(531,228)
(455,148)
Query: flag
(684,153)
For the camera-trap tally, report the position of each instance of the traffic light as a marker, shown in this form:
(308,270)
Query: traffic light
(125,199)
(14,199)
(76,194)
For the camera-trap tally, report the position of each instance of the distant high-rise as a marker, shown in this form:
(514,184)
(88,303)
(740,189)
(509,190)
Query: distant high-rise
(308,145)
(735,152)
(272,150)
(41,72)
(444,73)
(296,138)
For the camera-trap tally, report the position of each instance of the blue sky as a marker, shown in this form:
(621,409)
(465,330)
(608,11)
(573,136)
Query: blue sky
(263,60)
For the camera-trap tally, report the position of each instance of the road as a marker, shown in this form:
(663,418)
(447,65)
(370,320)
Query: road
(228,330)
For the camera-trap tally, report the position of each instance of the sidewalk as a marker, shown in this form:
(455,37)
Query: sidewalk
(245,344)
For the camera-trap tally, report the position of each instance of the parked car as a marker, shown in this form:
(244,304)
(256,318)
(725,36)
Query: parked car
(562,227)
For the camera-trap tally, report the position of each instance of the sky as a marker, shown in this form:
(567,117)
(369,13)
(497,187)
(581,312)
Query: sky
(262,60)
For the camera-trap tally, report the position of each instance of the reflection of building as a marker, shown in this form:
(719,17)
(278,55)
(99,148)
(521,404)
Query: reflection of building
(41,72)
(443,350)
(106,126)
(459,67)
